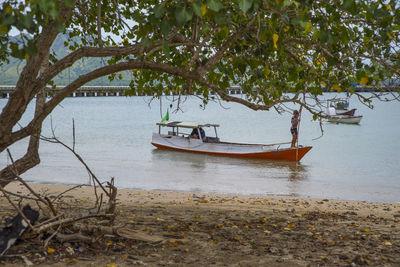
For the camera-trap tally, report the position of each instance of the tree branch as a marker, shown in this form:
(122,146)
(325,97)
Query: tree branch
(217,57)
(25,88)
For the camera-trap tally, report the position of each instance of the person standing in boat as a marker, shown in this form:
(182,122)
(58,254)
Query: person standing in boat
(294,128)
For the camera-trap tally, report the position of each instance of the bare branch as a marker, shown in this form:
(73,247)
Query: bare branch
(39,198)
(82,216)
(46,242)
(56,140)
(66,191)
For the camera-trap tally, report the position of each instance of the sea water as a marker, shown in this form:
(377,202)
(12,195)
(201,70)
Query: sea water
(113,136)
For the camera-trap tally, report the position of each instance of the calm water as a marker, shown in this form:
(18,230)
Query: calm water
(358,162)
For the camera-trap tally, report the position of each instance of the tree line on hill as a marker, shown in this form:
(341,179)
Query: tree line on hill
(9,72)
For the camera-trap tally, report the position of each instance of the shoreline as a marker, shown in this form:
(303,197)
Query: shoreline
(126,197)
(197,229)
(58,187)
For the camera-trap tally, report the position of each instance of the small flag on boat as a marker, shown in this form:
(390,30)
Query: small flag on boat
(166,117)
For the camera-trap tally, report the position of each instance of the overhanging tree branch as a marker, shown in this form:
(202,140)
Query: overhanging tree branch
(221,51)
(23,94)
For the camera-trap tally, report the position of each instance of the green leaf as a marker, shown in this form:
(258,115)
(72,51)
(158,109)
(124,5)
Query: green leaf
(159,11)
(26,20)
(323,36)
(183,15)
(214,5)
(220,18)
(242,67)
(59,26)
(360,74)
(165,48)
(290,2)
(224,32)
(145,42)
(245,5)
(165,28)
(197,8)
(31,48)
(303,23)
(263,36)
(8,20)
(69,3)
(18,53)
(379,13)
(53,12)
(348,4)
(204,29)
(43,5)
(3,29)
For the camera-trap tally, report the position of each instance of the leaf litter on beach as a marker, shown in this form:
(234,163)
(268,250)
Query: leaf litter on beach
(227,230)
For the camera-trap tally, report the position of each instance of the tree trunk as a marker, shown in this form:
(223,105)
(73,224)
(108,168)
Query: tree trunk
(31,158)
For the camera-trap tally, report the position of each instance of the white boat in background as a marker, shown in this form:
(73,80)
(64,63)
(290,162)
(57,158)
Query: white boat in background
(339,103)
(178,140)
(345,119)
(349,112)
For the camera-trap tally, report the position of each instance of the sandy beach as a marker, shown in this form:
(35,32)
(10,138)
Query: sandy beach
(192,229)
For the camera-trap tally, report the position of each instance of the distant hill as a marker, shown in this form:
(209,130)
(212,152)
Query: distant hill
(9,73)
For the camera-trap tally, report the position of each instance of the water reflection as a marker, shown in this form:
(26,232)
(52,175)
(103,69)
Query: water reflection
(197,161)
(242,167)
(297,172)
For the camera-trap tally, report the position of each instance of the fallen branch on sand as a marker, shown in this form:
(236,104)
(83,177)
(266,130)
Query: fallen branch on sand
(61,221)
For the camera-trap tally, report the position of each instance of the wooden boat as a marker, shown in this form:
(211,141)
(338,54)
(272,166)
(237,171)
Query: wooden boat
(341,117)
(345,119)
(349,112)
(178,140)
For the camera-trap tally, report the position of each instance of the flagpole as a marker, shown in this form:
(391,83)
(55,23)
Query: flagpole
(161,116)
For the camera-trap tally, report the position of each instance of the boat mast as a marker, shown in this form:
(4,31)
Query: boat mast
(298,129)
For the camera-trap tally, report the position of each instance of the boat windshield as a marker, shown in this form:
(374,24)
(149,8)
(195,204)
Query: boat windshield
(175,125)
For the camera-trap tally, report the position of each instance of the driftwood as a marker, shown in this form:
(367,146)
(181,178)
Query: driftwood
(74,237)
(27,262)
(76,218)
(58,221)
(141,236)
(119,231)
(63,226)
(38,197)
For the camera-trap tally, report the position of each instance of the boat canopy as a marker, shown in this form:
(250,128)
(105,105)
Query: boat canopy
(340,99)
(191,125)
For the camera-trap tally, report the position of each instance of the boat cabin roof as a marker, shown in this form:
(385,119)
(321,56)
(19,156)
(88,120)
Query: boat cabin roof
(191,125)
(339,99)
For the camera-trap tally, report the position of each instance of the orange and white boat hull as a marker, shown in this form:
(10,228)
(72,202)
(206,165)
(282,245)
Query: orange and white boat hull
(185,144)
